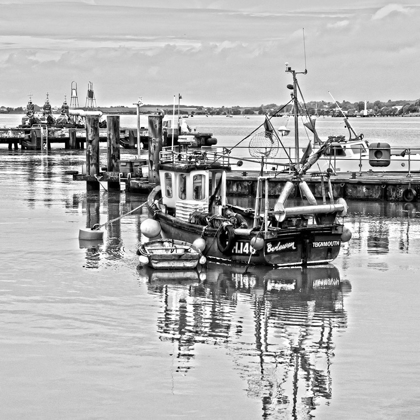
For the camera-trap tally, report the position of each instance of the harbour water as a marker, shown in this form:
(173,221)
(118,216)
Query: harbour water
(85,334)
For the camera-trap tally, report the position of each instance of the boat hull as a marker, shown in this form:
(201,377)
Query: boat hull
(170,254)
(286,247)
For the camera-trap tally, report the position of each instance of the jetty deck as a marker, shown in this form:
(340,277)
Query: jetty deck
(352,186)
(387,186)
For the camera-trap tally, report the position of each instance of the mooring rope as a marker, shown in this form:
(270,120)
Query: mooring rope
(97,226)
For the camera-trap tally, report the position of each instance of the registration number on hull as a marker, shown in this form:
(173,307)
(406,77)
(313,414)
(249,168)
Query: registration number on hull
(243,248)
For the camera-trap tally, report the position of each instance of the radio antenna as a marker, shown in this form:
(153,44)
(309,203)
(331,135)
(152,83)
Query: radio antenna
(304,48)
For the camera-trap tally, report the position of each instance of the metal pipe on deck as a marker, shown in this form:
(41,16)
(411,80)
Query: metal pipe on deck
(309,210)
(305,191)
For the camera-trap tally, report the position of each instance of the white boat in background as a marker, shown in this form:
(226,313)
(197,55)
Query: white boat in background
(356,154)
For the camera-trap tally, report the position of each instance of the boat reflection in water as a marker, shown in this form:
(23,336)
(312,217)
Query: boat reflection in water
(278,325)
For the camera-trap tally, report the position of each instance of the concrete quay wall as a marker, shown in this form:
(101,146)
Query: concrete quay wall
(367,186)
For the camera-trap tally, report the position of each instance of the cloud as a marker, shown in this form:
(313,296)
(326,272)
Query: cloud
(226,51)
(339,24)
(388,9)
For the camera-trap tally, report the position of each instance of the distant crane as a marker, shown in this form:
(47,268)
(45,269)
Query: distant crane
(90,97)
(74,100)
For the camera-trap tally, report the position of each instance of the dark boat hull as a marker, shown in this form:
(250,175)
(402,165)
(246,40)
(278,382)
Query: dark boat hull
(315,244)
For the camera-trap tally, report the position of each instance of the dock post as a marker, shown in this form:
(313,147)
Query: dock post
(114,241)
(47,139)
(92,151)
(92,210)
(32,136)
(36,141)
(72,138)
(80,142)
(13,144)
(155,146)
(131,139)
(113,142)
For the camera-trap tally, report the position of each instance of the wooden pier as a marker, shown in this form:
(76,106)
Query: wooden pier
(140,174)
(367,186)
(36,138)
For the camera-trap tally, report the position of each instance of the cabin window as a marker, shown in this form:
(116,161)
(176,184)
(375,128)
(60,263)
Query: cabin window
(335,151)
(198,187)
(182,187)
(168,185)
(358,148)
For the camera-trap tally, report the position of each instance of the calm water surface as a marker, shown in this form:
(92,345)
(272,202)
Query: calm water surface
(85,334)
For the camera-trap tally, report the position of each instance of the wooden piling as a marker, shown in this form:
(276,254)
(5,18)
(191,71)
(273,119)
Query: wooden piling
(114,228)
(92,210)
(132,139)
(92,151)
(72,138)
(13,143)
(155,146)
(36,140)
(113,142)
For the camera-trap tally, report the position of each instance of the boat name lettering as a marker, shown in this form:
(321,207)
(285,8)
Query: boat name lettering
(280,247)
(330,281)
(322,244)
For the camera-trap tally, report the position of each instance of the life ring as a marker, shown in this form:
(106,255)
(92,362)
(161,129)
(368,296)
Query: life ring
(226,239)
(409,194)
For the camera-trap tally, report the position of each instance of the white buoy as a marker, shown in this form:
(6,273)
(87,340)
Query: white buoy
(150,228)
(143,259)
(257,243)
(346,235)
(89,234)
(202,260)
(200,244)
(203,276)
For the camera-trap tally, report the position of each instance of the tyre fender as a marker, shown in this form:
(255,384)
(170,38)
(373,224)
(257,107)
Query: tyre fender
(409,195)
(226,239)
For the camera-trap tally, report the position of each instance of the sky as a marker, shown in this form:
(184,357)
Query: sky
(213,53)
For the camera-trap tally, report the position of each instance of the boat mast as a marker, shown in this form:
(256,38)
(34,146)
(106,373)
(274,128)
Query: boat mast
(295,106)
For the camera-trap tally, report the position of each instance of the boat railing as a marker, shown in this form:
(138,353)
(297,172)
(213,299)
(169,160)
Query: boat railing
(180,155)
(341,157)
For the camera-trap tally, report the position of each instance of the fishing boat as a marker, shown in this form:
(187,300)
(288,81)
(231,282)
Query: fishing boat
(190,204)
(170,254)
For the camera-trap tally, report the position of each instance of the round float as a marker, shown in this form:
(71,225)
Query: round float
(91,234)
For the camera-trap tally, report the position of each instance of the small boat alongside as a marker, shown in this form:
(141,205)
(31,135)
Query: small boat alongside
(170,254)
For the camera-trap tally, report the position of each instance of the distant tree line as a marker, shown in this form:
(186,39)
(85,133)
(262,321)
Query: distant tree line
(318,108)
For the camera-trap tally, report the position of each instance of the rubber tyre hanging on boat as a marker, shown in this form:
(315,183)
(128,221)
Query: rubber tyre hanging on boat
(226,239)
(409,195)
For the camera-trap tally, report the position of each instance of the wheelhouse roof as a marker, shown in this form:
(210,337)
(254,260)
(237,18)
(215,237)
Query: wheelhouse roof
(189,167)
